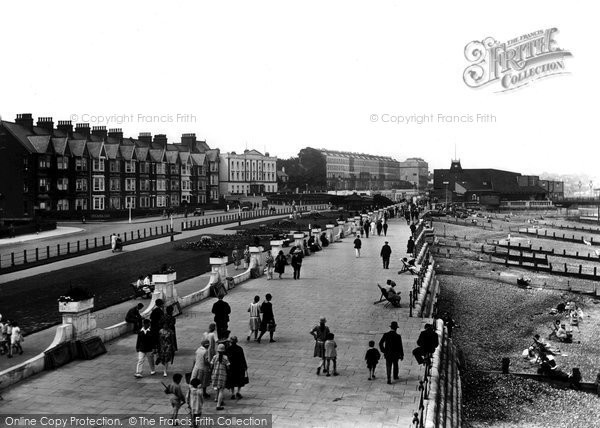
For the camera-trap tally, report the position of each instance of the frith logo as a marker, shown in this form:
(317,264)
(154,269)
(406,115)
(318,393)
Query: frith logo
(515,63)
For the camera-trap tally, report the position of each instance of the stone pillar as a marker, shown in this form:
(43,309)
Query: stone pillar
(256,253)
(317,233)
(343,228)
(79,316)
(330,233)
(276,247)
(164,283)
(218,268)
(299,240)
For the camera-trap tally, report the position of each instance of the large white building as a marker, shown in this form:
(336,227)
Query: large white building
(415,171)
(247,173)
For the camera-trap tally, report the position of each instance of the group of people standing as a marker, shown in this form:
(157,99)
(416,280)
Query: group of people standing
(238,256)
(10,338)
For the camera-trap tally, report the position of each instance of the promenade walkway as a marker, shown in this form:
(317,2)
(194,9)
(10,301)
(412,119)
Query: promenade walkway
(283,380)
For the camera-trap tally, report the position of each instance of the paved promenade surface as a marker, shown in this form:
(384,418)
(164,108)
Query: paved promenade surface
(283,380)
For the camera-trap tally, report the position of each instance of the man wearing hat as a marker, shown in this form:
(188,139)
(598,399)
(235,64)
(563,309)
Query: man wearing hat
(391,347)
(297,256)
(386,252)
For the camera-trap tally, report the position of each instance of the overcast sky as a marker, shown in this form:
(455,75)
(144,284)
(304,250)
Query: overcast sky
(279,76)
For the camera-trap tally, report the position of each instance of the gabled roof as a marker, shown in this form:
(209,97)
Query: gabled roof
(184,157)
(59,144)
(127,151)
(141,152)
(157,155)
(198,158)
(96,149)
(213,155)
(172,155)
(77,147)
(39,142)
(112,151)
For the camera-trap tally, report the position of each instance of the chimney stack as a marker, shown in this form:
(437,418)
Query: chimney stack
(145,137)
(83,129)
(116,133)
(99,131)
(65,125)
(161,139)
(24,119)
(188,140)
(45,122)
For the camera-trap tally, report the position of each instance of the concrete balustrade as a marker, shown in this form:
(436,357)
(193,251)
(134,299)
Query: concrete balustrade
(329,232)
(276,247)
(298,239)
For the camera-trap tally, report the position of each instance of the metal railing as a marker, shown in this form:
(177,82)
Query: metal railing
(424,386)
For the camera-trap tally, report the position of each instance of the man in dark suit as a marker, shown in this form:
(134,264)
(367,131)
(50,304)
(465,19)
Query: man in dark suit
(428,341)
(386,252)
(391,347)
(221,310)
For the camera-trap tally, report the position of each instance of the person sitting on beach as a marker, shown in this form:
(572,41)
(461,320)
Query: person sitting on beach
(563,335)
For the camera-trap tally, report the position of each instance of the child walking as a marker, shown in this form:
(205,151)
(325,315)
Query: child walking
(16,338)
(175,396)
(195,400)
(331,354)
(372,357)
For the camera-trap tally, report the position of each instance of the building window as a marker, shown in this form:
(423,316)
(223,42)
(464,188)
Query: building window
(81,185)
(81,204)
(115,184)
(130,184)
(129,201)
(174,184)
(144,202)
(161,200)
(26,164)
(98,203)
(44,162)
(62,183)
(98,165)
(474,197)
(160,168)
(62,162)
(81,164)
(186,185)
(115,203)
(175,200)
(173,169)
(114,166)
(144,185)
(62,205)
(130,167)
(98,183)
(43,185)
(185,169)
(144,167)
(161,185)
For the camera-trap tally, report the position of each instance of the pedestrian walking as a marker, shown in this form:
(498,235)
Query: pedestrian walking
(379,227)
(169,321)
(157,317)
(238,368)
(221,310)
(297,257)
(426,343)
(331,354)
(220,364)
(385,228)
(320,333)
(4,337)
(166,348)
(280,263)
(386,252)
(391,348)
(113,242)
(211,336)
(270,265)
(246,257)
(16,337)
(201,370)
(410,246)
(195,400)
(372,358)
(268,319)
(366,228)
(254,323)
(373,227)
(357,246)
(144,347)
(236,257)
(413,230)
(176,397)
(134,317)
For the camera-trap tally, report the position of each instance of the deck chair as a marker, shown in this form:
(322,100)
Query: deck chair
(386,298)
(407,267)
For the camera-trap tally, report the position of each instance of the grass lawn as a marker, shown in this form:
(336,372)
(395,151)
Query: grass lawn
(33,301)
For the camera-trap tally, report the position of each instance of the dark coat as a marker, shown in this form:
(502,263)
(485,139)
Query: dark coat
(145,341)
(386,251)
(280,262)
(357,243)
(157,317)
(133,316)
(237,367)
(428,340)
(391,346)
(410,246)
(221,309)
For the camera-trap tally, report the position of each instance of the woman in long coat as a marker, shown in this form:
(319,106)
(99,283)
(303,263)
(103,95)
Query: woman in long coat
(166,348)
(201,370)
(280,262)
(237,368)
(219,364)
(169,322)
